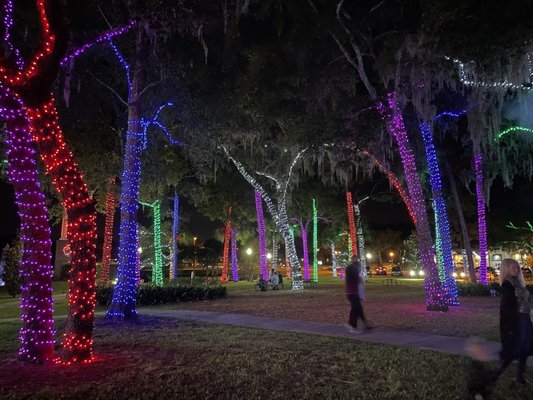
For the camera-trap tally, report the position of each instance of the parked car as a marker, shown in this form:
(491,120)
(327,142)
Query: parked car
(380,271)
(397,271)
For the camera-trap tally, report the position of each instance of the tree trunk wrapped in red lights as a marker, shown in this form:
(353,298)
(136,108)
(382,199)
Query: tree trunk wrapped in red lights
(33,85)
(37,331)
(108,231)
(351,221)
(68,181)
(225,259)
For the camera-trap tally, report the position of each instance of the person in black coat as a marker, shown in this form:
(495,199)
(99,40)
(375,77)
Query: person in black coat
(516,329)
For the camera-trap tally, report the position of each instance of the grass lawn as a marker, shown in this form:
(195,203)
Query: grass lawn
(400,307)
(160,358)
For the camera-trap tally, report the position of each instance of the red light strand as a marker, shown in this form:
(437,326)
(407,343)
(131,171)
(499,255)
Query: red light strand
(77,341)
(108,231)
(351,220)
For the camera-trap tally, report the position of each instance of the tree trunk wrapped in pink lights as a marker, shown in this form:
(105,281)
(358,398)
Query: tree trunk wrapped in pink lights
(436,299)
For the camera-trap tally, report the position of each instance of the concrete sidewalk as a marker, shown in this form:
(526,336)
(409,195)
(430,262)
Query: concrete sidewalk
(476,348)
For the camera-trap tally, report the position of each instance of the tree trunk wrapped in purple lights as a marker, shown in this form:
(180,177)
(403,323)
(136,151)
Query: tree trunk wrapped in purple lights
(436,299)
(36,302)
(263,262)
(305,247)
(481,220)
(234,267)
(108,230)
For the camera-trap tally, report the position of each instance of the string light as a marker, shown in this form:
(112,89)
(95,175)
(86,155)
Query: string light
(274,251)
(514,129)
(234,266)
(465,263)
(463,78)
(351,221)
(395,183)
(8,24)
(33,84)
(36,302)
(279,215)
(360,238)
(175,226)
(315,243)
(303,230)
(108,231)
(443,241)
(263,263)
(481,220)
(333,259)
(157,270)
(69,182)
(436,299)
(225,259)
(128,273)
(104,37)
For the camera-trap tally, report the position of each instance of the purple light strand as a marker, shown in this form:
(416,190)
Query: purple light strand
(37,332)
(104,37)
(436,299)
(263,263)
(8,23)
(481,220)
(234,267)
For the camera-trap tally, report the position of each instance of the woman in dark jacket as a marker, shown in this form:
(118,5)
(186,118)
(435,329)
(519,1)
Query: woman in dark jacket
(516,329)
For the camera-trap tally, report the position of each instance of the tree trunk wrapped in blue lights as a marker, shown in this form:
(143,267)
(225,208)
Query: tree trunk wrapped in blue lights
(443,241)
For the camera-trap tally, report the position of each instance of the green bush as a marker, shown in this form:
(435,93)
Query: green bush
(149,295)
(478,289)
(11,258)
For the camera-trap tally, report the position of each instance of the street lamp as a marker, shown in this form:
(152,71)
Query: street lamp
(249,251)
(269,256)
(369,256)
(140,250)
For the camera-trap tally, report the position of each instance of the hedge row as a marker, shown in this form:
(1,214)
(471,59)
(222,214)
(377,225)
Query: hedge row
(149,295)
(478,289)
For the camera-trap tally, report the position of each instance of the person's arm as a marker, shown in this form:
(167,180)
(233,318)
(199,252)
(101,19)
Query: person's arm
(508,308)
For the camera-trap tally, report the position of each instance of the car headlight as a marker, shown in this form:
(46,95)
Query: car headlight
(421,273)
(462,274)
(454,274)
(412,273)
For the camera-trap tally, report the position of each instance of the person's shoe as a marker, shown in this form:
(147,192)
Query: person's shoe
(351,329)
(368,328)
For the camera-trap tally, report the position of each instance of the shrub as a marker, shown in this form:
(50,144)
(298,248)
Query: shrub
(11,257)
(478,289)
(148,294)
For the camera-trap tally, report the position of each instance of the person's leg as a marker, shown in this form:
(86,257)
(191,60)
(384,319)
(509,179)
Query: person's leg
(504,363)
(353,310)
(358,310)
(521,370)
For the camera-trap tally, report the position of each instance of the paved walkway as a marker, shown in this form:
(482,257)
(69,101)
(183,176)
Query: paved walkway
(477,348)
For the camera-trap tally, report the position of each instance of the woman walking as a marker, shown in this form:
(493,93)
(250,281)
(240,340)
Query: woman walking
(516,329)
